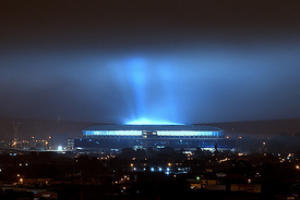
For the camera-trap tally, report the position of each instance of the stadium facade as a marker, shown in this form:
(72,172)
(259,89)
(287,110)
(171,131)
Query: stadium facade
(107,137)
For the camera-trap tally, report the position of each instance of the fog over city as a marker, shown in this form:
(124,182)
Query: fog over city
(121,64)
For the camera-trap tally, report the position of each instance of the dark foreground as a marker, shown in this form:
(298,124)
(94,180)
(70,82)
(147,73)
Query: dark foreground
(140,174)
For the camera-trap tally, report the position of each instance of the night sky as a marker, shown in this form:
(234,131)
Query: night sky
(176,61)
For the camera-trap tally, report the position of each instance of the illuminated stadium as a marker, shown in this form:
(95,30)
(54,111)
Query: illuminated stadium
(106,137)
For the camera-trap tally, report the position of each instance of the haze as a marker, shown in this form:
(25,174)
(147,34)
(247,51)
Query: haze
(188,63)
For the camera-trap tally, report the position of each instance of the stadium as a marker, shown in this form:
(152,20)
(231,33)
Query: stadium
(116,137)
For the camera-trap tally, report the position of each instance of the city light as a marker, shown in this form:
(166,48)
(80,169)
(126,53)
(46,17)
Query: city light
(59,148)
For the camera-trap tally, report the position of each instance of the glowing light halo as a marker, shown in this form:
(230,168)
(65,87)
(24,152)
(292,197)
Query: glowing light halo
(146,121)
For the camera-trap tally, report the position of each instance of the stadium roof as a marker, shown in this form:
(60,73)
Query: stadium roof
(154,127)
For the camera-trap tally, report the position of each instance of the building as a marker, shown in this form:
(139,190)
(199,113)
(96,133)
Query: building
(116,137)
(70,144)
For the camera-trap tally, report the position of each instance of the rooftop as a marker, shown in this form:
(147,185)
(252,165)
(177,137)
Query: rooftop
(153,127)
